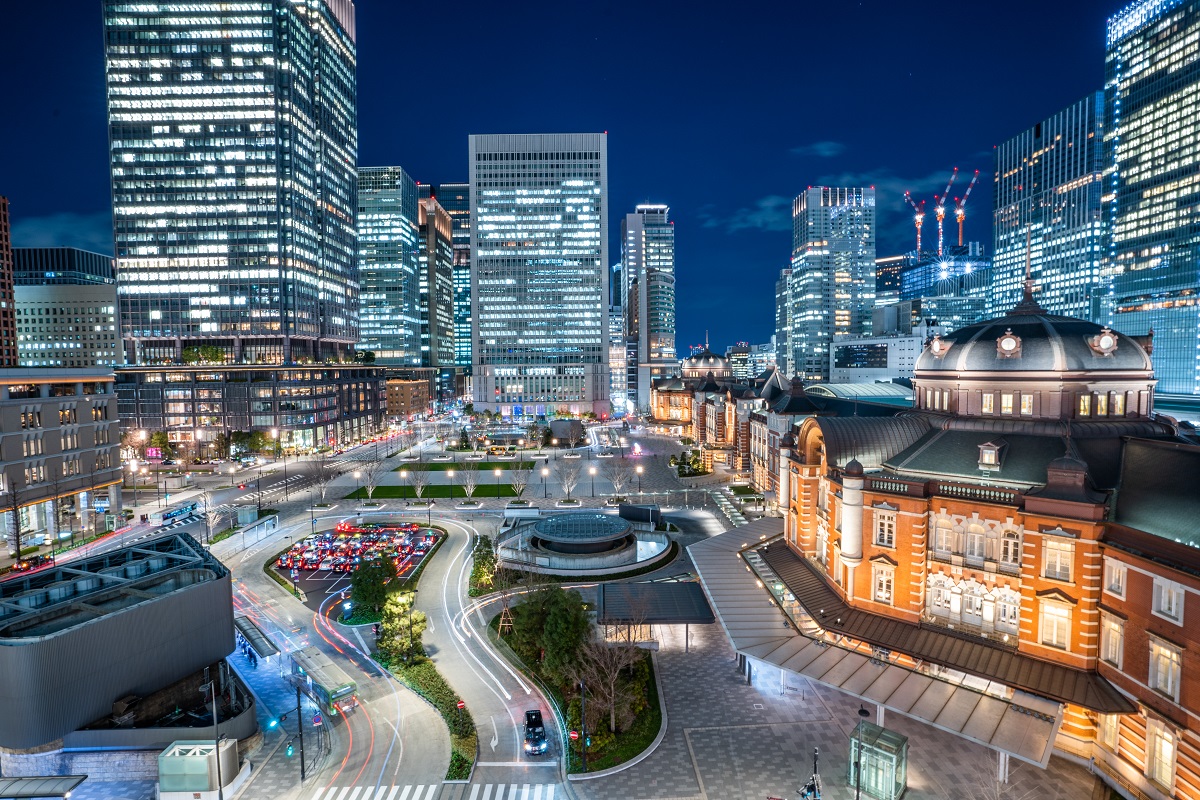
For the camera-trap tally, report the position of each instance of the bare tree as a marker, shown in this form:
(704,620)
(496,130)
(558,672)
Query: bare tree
(618,473)
(599,666)
(985,785)
(568,473)
(578,435)
(373,472)
(470,479)
(13,506)
(519,476)
(420,479)
(323,475)
(211,513)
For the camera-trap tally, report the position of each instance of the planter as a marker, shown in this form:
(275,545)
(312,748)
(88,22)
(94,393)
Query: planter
(467,504)
(566,503)
(419,503)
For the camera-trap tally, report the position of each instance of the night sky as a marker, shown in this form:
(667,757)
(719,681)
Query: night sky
(725,111)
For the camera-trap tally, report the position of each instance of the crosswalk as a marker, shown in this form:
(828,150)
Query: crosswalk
(424,792)
(516,791)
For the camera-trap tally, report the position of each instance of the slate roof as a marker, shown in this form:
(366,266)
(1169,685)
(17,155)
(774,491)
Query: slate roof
(872,440)
(1158,493)
(1057,681)
(1023,458)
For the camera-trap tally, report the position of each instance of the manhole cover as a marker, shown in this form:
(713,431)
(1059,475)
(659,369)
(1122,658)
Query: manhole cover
(759,706)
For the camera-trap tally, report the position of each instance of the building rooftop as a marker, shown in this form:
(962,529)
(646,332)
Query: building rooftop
(581,528)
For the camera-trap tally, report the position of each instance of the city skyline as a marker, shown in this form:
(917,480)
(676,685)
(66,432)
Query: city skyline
(777,157)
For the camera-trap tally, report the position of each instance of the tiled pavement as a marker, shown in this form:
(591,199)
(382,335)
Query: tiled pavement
(728,741)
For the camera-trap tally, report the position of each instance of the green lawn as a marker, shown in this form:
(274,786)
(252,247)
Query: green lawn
(742,491)
(442,466)
(438,491)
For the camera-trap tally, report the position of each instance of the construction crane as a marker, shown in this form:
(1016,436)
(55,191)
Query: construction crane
(918,218)
(960,210)
(940,207)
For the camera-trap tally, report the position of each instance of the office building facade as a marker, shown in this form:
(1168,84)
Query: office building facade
(8,318)
(436,284)
(456,199)
(1047,207)
(782,322)
(61,266)
(389,266)
(831,290)
(233,149)
(68,325)
(1152,89)
(648,269)
(539,273)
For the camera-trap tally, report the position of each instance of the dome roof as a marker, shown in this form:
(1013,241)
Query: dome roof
(706,360)
(1032,342)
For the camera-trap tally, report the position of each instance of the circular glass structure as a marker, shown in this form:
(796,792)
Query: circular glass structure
(582,533)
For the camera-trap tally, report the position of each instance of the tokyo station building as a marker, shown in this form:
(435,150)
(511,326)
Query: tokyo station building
(1015,559)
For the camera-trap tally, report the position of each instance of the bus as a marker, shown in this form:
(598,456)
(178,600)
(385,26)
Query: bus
(169,515)
(324,681)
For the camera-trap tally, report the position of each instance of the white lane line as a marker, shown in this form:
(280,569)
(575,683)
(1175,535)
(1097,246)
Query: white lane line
(404,794)
(354,794)
(392,793)
(474,792)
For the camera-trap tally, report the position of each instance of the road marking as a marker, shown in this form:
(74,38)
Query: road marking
(495,734)
(354,794)
(429,796)
(474,792)
(404,794)
(317,796)
(342,796)
(392,794)
(551,763)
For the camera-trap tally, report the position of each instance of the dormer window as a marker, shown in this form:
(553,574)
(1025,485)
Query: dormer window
(989,455)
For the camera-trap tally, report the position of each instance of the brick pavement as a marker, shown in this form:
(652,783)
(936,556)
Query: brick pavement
(727,740)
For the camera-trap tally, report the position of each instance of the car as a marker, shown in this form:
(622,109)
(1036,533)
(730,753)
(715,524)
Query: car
(535,733)
(32,563)
(326,563)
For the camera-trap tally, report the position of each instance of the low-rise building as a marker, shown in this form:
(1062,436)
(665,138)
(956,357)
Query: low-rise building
(878,358)
(68,325)
(407,398)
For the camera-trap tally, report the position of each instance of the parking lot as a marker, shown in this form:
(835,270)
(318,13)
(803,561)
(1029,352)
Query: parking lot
(321,564)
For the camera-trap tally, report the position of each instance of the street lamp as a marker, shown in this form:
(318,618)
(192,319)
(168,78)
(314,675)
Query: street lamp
(639,474)
(278,452)
(545,490)
(357,482)
(211,688)
(554,444)
(592,472)
(497,474)
(450,475)
(403,482)
(862,715)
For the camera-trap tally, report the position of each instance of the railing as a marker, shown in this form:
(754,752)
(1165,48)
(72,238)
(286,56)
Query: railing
(986,494)
(897,486)
(969,632)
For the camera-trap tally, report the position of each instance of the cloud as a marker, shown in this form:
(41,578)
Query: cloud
(66,229)
(770,213)
(819,150)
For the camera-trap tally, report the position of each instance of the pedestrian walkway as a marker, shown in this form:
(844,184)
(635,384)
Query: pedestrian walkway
(372,792)
(501,791)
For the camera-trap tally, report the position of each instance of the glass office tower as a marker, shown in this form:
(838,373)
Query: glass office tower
(455,198)
(539,273)
(1049,182)
(1152,86)
(233,146)
(436,285)
(388,266)
(831,290)
(648,262)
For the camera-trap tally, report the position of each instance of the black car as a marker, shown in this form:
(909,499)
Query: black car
(535,733)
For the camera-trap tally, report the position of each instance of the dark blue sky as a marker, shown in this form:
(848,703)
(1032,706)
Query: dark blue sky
(723,110)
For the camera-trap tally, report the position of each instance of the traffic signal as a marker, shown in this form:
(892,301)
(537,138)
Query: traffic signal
(272,723)
(290,750)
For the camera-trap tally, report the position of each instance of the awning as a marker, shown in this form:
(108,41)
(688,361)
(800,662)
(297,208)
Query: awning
(259,642)
(60,786)
(652,604)
(758,627)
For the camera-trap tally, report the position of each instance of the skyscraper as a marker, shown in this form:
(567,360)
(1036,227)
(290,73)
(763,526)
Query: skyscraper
(1048,188)
(456,199)
(233,145)
(648,268)
(539,273)
(8,320)
(69,266)
(436,284)
(1152,86)
(782,322)
(831,290)
(388,266)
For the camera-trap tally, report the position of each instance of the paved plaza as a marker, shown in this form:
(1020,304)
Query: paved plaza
(730,741)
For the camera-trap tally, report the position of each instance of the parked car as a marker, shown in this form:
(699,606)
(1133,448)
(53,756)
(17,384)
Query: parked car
(535,733)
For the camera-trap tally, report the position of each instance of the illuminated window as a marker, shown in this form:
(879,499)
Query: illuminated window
(1160,754)
(1168,600)
(1166,662)
(1118,404)
(1027,404)
(1059,554)
(885,529)
(989,402)
(1101,405)
(1085,405)
(1006,404)
(1112,639)
(1110,730)
(882,592)
(1114,577)
(1056,624)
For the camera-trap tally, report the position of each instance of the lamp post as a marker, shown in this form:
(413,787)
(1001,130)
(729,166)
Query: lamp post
(545,490)
(133,471)
(278,452)
(554,444)
(211,688)
(497,474)
(450,475)
(403,482)
(592,472)
(639,474)
(862,715)
(312,517)
(357,482)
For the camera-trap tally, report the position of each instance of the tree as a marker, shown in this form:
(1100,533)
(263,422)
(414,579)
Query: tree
(568,473)
(160,440)
(250,441)
(212,515)
(566,630)
(600,666)
(401,628)
(519,475)
(15,531)
(420,479)
(368,583)
(470,479)
(364,357)
(323,475)
(578,435)
(618,473)
(133,445)
(464,441)
(373,472)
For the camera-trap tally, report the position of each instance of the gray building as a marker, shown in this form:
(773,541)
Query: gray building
(539,273)
(1151,87)
(129,622)
(68,325)
(1047,205)
(831,290)
(233,143)
(389,266)
(782,322)
(456,199)
(59,453)
(70,266)
(648,269)
(436,285)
